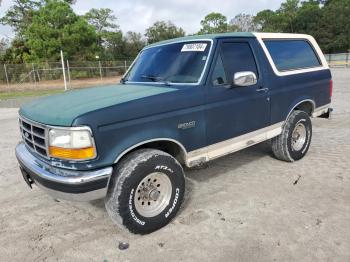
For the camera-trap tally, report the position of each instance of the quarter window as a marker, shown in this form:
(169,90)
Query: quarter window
(219,76)
(292,54)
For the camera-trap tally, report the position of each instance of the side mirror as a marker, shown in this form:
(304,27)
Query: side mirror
(245,78)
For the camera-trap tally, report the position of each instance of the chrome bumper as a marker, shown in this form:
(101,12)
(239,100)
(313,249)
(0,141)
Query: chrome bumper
(62,183)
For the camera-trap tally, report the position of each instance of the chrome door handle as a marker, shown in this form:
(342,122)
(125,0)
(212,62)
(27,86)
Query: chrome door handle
(262,89)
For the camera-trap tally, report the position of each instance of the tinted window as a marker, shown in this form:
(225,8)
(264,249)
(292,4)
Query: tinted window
(237,57)
(174,63)
(292,54)
(219,75)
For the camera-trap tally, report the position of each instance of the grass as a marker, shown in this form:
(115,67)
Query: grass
(19,94)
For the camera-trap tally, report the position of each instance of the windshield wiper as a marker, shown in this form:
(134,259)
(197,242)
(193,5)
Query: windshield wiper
(156,79)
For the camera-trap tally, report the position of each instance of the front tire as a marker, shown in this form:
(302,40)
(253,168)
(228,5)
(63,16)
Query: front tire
(294,141)
(146,191)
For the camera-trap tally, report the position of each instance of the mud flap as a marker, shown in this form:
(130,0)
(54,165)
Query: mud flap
(328,114)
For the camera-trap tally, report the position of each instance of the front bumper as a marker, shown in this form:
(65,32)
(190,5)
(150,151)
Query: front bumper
(61,183)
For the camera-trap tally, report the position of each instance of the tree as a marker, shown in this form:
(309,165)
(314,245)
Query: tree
(161,30)
(327,20)
(102,19)
(281,20)
(134,44)
(244,23)
(334,26)
(4,44)
(214,23)
(114,46)
(16,52)
(55,26)
(20,15)
(109,36)
(287,13)
(308,18)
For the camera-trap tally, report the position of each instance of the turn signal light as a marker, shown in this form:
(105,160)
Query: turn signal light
(72,154)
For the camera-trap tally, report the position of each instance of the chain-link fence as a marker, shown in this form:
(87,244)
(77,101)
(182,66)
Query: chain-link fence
(80,74)
(43,76)
(338,60)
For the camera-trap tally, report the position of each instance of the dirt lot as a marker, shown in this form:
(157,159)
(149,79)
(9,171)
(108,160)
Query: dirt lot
(243,207)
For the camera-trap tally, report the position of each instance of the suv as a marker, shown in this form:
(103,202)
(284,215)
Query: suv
(182,102)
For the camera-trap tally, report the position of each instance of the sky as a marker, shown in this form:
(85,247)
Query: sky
(137,15)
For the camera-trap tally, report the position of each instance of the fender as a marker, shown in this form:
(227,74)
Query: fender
(123,153)
(295,104)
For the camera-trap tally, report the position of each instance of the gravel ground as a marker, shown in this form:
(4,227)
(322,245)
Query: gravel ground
(247,206)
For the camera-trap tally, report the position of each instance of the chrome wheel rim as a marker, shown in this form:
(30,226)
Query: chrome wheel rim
(298,137)
(153,194)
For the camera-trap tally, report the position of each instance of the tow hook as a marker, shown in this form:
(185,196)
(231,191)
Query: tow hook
(26,177)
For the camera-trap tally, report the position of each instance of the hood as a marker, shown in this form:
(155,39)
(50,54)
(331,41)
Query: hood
(62,109)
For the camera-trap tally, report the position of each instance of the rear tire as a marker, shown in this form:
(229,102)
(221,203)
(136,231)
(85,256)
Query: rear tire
(146,191)
(294,141)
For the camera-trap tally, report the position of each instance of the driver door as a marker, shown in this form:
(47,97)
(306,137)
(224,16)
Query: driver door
(234,110)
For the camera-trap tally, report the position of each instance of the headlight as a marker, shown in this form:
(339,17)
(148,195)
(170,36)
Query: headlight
(71,144)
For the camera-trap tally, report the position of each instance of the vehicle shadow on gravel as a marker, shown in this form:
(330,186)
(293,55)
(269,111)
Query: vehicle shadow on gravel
(219,167)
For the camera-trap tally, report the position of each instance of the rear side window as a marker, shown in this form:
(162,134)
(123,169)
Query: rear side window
(292,54)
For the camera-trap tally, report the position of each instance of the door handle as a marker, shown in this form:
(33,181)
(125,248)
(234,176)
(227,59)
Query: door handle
(262,89)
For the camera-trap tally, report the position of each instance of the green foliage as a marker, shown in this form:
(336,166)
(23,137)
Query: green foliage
(15,54)
(44,27)
(287,14)
(102,19)
(109,37)
(327,20)
(161,30)
(281,20)
(334,35)
(215,23)
(133,43)
(55,26)
(267,21)
(20,15)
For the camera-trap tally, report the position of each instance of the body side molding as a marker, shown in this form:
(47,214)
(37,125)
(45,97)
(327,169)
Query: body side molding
(226,147)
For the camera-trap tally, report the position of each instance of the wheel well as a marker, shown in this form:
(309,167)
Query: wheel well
(306,106)
(172,148)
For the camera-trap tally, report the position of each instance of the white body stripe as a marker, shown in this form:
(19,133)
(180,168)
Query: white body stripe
(232,145)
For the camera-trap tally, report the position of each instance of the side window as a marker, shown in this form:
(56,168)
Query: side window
(219,76)
(292,54)
(237,57)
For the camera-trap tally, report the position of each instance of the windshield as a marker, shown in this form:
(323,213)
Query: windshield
(172,63)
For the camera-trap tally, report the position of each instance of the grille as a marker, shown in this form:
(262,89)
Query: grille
(34,136)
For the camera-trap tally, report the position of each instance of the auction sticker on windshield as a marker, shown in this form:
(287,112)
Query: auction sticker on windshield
(196,47)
